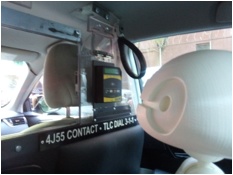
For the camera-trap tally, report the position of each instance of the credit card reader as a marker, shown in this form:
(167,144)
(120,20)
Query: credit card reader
(108,84)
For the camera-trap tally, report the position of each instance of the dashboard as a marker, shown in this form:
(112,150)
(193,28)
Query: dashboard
(13,122)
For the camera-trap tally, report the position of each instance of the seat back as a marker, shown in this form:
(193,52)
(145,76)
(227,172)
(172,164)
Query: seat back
(111,145)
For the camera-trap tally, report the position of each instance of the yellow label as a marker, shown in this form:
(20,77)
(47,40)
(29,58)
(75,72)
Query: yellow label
(112,76)
(116,99)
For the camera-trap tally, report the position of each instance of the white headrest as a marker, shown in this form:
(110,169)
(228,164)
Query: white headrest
(188,104)
(59,76)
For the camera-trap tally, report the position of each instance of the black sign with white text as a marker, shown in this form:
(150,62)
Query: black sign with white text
(76,133)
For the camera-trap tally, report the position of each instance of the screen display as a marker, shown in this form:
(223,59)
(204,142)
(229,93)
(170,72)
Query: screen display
(111,71)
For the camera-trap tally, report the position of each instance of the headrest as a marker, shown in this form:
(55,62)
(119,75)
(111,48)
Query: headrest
(188,104)
(59,76)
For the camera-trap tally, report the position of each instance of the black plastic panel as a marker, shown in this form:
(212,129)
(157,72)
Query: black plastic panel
(111,152)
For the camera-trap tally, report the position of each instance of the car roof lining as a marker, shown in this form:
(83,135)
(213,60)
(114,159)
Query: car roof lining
(25,40)
(154,22)
(174,19)
(143,19)
(19,54)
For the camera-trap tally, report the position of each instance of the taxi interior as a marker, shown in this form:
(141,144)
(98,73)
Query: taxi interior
(85,53)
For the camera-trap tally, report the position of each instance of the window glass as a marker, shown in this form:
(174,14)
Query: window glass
(37,98)
(13,74)
(157,52)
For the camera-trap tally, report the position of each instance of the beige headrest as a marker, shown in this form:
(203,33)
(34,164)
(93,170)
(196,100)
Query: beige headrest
(59,76)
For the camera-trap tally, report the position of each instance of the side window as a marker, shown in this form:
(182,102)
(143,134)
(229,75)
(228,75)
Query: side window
(13,75)
(36,99)
(157,52)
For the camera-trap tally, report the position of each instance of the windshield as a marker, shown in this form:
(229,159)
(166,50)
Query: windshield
(13,74)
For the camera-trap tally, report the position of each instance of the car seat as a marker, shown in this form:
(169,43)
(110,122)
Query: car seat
(66,146)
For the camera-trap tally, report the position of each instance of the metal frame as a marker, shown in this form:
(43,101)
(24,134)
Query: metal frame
(33,24)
